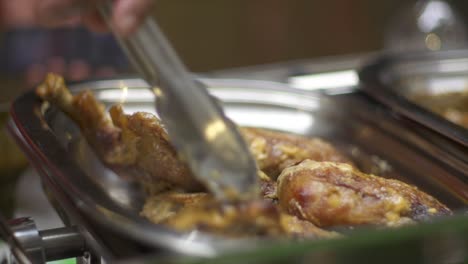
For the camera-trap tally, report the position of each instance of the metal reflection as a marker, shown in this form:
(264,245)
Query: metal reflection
(433,42)
(214,129)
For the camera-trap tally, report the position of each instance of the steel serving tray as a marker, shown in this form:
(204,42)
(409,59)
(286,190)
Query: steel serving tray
(394,80)
(106,207)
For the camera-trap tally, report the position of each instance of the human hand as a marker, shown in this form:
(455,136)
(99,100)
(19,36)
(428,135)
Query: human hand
(126,16)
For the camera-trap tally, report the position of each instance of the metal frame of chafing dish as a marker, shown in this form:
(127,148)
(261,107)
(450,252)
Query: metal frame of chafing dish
(377,80)
(99,219)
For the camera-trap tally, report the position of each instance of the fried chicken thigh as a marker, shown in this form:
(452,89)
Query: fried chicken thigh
(200,211)
(275,151)
(337,194)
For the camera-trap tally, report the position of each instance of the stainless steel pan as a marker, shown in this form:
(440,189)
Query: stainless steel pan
(393,80)
(105,207)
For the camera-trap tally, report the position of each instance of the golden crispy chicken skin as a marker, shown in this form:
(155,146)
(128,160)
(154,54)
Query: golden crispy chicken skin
(200,211)
(336,194)
(87,113)
(275,151)
(132,145)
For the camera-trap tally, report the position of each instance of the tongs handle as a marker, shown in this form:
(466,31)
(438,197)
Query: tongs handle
(208,141)
(146,46)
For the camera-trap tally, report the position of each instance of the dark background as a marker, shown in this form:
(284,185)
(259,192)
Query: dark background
(212,34)
(209,35)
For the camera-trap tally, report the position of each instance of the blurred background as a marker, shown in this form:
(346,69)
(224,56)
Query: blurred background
(208,34)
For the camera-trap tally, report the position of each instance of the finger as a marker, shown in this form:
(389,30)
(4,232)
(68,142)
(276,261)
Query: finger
(56,12)
(94,21)
(128,14)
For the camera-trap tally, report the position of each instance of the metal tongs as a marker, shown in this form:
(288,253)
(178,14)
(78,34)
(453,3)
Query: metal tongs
(197,126)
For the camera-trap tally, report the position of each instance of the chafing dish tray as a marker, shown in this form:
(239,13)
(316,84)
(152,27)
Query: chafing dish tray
(419,85)
(106,208)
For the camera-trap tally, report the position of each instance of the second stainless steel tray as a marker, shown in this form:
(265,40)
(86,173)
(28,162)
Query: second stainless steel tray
(393,80)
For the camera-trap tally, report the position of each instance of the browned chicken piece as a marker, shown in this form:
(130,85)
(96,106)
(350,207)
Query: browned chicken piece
(267,186)
(275,151)
(200,211)
(337,194)
(132,145)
